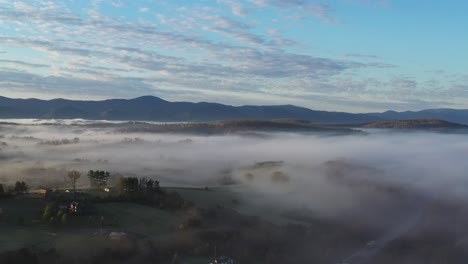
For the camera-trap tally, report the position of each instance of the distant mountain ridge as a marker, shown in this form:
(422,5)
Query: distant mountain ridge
(150,108)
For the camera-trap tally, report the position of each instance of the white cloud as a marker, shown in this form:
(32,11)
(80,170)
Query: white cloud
(201,50)
(144,9)
(117,4)
(305,7)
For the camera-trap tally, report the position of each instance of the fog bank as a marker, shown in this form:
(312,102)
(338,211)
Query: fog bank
(330,175)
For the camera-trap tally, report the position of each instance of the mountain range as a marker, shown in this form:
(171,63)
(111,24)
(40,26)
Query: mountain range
(150,108)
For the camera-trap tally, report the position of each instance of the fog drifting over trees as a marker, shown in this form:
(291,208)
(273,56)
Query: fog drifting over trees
(325,173)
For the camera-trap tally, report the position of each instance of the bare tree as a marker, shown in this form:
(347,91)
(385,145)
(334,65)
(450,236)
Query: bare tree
(71,178)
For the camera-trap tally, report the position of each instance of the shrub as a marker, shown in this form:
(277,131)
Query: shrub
(279,177)
(249,176)
(64,218)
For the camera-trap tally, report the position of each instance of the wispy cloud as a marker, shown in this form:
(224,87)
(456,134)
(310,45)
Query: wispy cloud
(363,56)
(319,10)
(371,3)
(206,50)
(24,64)
(144,9)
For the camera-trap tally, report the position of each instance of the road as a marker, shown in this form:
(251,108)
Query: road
(364,254)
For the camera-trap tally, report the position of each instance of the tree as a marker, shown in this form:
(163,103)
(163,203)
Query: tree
(64,218)
(150,184)
(47,213)
(156,185)
(128,184)
(143,182)
(249,176)
(20,187)
(98,178)
(2,191)
(60,214)
(279,177)
(71,178)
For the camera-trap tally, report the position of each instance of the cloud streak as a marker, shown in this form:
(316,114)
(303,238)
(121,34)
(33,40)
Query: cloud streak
(203,49)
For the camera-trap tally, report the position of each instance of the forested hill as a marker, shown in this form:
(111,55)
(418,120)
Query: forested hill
(414,124)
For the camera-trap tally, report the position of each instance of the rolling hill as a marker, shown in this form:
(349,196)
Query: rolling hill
(415,124)
(150,108)
(228,127)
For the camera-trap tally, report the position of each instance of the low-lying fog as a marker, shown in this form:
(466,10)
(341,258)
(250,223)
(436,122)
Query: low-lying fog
(332,176)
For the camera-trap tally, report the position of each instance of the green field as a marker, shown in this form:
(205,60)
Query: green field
(21,226)
(138,219)
(19,221)
(88,235)
(208,198)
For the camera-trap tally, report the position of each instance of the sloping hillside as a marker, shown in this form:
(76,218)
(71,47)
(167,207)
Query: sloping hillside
(415,124)
(228,127)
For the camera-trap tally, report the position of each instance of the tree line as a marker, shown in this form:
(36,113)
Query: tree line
(134,184)
(20,187)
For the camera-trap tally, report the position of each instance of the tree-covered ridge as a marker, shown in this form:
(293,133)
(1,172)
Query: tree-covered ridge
(227,127)
(415,123)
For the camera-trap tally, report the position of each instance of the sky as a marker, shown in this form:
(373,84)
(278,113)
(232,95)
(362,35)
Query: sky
(337,55)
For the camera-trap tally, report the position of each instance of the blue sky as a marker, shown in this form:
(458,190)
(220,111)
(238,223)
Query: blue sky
(339,55)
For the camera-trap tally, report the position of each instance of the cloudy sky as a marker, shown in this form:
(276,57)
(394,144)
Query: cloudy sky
(346,55)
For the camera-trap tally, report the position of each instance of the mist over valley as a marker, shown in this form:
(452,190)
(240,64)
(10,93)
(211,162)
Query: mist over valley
(384,182)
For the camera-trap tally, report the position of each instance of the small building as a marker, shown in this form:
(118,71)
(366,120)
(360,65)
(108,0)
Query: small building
(118,236)
(45,192)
